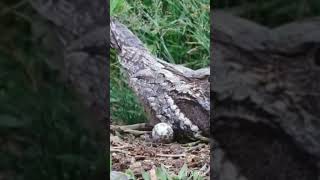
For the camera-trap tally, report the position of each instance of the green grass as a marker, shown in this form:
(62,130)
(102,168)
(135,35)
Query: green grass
(175,31)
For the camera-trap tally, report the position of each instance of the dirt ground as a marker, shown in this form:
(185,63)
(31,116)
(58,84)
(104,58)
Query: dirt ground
(137,153)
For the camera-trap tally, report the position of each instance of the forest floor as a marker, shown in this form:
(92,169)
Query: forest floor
(138,154)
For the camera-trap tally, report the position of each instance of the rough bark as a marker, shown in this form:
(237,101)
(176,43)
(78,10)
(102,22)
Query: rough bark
(267,76)
(169,93)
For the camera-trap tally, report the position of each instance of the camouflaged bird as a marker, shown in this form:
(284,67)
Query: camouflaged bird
(169,93)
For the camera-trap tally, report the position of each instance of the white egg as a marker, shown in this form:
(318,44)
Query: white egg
(162,133)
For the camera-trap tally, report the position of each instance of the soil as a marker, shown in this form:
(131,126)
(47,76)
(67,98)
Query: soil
(137,153)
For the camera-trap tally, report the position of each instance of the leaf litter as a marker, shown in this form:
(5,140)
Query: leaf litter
(139,154)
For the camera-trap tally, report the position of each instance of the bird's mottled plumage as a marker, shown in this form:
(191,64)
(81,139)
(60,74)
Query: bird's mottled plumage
(169,93)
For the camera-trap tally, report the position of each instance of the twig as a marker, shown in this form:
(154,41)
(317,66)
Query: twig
(191,144)
(202,138)
(126,130)
(171,155)
(135,126)
(194,148)
(120,147)
(118,150)
(139,157)
(207,171)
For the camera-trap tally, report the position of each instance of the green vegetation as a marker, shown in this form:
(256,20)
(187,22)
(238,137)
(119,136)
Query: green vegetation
(42,136)
(163,174)
(176,31)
